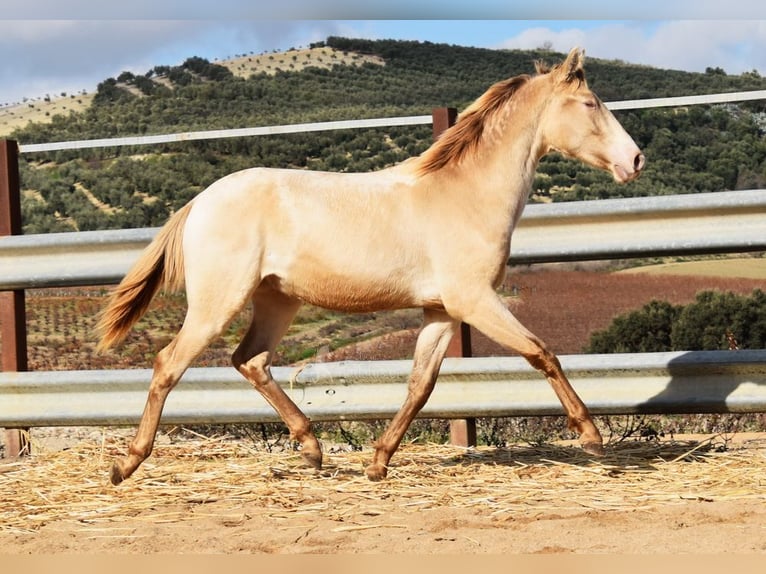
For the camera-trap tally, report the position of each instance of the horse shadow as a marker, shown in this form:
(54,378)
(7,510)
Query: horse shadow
(700,382)
(639,454)
(710,382)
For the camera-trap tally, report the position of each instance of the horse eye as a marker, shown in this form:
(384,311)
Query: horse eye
(590,104)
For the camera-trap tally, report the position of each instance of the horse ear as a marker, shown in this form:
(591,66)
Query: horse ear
(572,67)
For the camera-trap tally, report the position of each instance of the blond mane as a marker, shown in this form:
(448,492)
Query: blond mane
(463,138)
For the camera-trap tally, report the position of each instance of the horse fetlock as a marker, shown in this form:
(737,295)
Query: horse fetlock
(123,468)
(140,453)
(590,438)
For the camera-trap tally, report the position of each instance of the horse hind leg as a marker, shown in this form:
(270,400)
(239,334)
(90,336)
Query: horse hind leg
(198,331)
(211,306)
(272,314)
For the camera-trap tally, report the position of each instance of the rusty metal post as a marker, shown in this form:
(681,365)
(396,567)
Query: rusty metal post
(462,431)
(13,322)
(443,119)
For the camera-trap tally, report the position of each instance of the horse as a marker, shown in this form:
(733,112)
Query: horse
(431,232)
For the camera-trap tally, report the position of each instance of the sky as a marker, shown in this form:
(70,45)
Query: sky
(52,46)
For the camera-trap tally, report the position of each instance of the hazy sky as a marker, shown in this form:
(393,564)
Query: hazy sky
(78,43)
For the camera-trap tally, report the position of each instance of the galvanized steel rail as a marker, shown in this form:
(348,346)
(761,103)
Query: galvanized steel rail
(680,382)
(721,222)
(691,224)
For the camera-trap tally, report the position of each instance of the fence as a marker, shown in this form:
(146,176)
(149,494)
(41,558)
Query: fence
(726,222)
(698,382)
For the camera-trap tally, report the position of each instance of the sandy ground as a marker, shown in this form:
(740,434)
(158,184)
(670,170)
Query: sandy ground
(689,527)
(690,497)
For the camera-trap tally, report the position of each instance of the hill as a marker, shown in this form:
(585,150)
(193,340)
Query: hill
(40,110)
(696,149)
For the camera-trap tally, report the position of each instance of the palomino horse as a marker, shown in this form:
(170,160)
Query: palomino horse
(432,232)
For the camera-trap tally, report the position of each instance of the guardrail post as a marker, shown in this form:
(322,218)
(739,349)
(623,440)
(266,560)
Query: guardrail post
(462,431)
(13,323)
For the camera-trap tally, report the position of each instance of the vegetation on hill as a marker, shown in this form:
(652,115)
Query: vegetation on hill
(695,149)
(714,321)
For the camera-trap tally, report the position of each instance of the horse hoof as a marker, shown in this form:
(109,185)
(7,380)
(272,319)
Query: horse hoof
(312,458)
(116,476)
(594,448)
(376,472)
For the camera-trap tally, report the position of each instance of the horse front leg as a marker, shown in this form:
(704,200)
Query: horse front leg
(433,340)
(492,317)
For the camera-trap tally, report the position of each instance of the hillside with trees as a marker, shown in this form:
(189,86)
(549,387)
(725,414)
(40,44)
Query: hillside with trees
(689,150)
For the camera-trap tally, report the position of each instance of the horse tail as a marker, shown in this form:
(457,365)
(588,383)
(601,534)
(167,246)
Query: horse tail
(161,265)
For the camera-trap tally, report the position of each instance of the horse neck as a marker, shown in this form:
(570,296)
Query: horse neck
(506,160)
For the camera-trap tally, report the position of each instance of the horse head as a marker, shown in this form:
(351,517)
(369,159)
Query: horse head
(577,124)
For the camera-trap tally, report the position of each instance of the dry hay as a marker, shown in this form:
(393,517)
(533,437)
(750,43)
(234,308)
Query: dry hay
(219,477)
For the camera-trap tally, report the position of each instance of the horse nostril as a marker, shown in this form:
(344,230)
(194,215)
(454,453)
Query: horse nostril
(638,162)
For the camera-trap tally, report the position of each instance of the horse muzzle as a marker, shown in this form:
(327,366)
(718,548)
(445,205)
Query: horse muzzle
(624,174)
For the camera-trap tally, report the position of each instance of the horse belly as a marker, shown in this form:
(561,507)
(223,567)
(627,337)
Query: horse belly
(343,292)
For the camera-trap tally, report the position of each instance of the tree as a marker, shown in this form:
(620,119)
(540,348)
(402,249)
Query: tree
(713,321)
(714,315)
(644,331)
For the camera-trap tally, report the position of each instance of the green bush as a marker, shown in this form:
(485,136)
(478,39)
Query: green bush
(715,320)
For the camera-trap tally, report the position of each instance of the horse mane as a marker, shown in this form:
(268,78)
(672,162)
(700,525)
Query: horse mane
(462,138)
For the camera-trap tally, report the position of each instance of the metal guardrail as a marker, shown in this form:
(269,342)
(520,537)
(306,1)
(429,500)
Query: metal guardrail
(691,224)
(721,222)
(680,382)
(70,259)
(230,133)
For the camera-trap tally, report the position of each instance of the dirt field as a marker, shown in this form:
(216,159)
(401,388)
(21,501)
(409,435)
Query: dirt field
(697,495)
